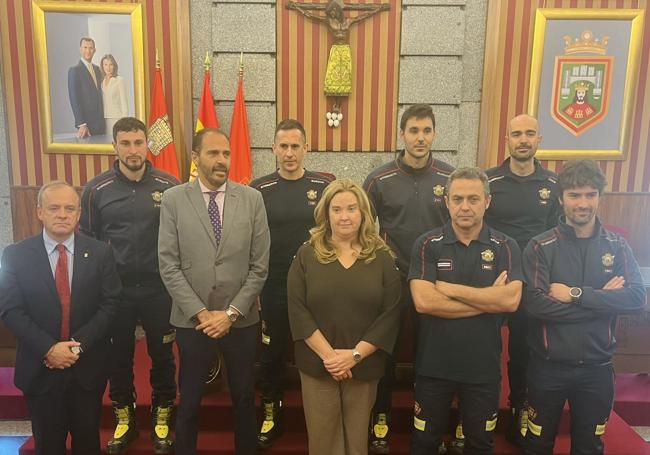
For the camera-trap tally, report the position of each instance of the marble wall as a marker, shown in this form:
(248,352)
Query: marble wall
(6,230)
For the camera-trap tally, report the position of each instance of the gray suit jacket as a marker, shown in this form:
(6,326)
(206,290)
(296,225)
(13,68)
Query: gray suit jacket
(191,265)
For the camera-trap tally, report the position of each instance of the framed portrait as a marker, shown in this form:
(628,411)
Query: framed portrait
(584,72)
(90,72)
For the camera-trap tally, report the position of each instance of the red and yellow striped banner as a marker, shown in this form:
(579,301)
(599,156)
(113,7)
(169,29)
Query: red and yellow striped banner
(370,112)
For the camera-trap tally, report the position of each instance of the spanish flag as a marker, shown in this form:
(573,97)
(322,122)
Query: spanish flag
(206,117)
(162,152)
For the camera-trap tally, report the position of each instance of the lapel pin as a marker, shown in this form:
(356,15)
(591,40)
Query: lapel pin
(86,254)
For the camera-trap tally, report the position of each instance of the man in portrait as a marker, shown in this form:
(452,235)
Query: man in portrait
(85,92)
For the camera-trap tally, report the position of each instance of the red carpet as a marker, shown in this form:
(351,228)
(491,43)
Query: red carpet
(216,420)
(633,398)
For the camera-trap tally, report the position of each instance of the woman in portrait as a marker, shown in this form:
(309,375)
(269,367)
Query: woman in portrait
(113,93)
(343,291)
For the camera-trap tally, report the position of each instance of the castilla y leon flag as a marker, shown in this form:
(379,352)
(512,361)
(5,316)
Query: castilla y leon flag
(206,117)
(162,152)
(240,148)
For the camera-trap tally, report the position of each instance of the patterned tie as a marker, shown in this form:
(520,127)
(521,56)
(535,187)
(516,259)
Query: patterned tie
(215,217)
(63,289)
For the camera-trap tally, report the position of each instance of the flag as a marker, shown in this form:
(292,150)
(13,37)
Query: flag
(240,147)
(206,117)
(162,152)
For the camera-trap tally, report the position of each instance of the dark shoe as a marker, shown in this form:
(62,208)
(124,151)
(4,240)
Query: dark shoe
(161,416)
(518,426)
(379,433)
(126,429)
(457,445)
(272,424)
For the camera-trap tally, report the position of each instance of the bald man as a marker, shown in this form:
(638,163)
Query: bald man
(524,204)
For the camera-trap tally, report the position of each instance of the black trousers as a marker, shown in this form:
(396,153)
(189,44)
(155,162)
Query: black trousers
(66,409)
(276,339)
(518,357)
(590,392)
(151,306)
(479,404)
(197,355)
(386,385)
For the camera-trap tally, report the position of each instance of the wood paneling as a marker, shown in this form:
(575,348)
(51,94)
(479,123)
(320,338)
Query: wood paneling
(631,212)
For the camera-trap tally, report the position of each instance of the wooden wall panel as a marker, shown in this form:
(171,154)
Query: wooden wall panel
(632,213)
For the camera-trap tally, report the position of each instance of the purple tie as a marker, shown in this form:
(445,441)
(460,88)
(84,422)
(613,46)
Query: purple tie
(215,217)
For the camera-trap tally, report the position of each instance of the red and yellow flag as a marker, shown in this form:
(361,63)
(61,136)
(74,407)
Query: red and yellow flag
(241,169)
(206,117)
(162,152)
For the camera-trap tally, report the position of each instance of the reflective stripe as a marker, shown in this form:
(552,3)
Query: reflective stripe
(534,428)
(419,424)
(490,425)
(600,429)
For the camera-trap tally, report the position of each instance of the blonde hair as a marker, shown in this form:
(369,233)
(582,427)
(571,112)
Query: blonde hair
(321,234)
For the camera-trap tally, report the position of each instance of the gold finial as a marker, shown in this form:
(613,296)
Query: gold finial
(241,65)
(207,62)
(157,60)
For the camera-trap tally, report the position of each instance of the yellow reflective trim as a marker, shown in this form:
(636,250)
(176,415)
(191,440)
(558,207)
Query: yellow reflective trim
(266,339)
(120,430)
(169,337)
(600,429)
(419,424)
(267,426)
(534,428)
(380,430)
(162,431)
(459,431)
(490,425)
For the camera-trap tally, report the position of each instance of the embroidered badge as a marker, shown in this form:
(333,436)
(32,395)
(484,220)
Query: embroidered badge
(157,196)
(445,264)
(439,190)
(487,255)
(608,259)
(312,195)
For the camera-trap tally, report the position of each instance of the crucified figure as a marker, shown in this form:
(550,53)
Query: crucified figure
(338,76)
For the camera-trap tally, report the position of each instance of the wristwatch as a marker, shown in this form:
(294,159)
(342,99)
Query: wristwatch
(232,314)
(356,355)
(575,293)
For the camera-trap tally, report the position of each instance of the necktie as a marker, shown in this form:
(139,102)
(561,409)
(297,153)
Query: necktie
(63,289)
(91,70)
(215,217)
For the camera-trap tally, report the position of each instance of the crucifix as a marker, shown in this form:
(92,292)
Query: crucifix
(338,75)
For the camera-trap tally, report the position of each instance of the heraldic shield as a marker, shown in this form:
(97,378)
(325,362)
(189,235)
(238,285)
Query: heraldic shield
(581,90)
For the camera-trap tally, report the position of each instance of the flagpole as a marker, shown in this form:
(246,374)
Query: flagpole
(241,65)
(207,62)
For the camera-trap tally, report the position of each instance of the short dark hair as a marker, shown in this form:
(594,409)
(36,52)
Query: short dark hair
(579,173)
(418,111)
(86,38)
(290,124)
(470,173)
(197,140)
(128,124)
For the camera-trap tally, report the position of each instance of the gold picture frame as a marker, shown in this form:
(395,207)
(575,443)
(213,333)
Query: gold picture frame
(58,27)
(595,42)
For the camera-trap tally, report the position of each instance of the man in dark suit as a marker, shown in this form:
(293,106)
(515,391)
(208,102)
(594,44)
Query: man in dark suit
(213,250)
(58,294)
(85,92)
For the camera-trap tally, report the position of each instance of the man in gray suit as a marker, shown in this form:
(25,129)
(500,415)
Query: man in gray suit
(213,250)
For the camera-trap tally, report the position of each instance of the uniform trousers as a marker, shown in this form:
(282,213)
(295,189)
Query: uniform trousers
(151,305)
(197,353)
(518,357)
(590,392)
(337,414)
(479,404)
(275,342)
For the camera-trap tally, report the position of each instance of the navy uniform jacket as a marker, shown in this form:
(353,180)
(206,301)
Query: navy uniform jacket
(30,308)
(583,331)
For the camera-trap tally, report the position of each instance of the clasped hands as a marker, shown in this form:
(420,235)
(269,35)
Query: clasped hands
(560,291)
(339,364)
(214,324)
(60,355)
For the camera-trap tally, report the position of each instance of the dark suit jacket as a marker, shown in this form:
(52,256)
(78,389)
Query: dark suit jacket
(30,308)
(86,98)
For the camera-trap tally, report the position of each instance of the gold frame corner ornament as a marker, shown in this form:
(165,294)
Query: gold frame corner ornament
(39,8)
(636,18)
